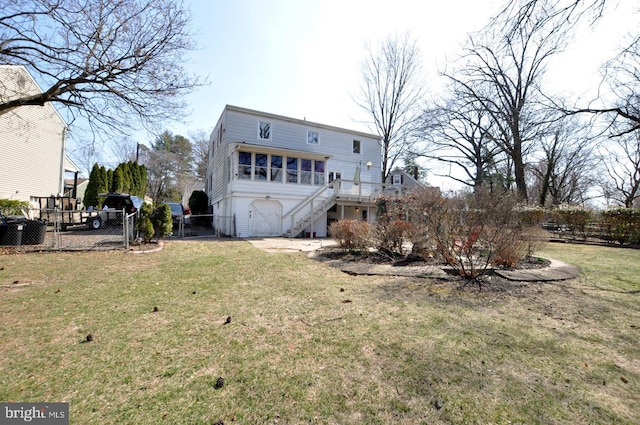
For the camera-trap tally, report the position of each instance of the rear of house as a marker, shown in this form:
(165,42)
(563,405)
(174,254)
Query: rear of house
(271,175)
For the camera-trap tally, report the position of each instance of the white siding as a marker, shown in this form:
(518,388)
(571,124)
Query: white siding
(238,130)
(242,126)
(31,142)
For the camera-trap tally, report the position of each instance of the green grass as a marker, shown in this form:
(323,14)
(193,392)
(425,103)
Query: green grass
(309,344)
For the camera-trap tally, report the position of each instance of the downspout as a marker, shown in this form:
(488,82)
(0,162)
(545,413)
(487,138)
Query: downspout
(62,166)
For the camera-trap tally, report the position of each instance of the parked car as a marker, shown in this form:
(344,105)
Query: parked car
(112,207)
(178,212)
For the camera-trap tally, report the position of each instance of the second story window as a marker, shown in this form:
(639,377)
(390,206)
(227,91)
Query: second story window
(264,130)
(356,146)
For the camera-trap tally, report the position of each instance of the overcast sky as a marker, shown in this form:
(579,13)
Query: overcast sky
(301,58)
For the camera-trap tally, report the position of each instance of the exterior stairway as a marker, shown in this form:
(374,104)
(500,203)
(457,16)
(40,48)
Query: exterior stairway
(310,209)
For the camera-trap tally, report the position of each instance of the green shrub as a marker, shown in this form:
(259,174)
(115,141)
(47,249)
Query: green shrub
(162,222)
(351,235)
(13,207)
(574,217)
(145,227)
(530,216)
(198,202)
(621,225)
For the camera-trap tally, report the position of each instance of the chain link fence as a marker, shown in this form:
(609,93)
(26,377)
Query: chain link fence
(68,230)
(62,230)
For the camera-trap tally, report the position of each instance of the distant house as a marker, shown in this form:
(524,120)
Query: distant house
(32,142)
(271,175)
(400,182)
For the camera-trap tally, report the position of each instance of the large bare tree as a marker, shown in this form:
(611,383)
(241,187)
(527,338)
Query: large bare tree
(112,63)
(566,169)
(503,70)
(390,92)
(458,133)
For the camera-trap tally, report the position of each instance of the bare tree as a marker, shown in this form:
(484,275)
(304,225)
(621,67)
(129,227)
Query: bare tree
(459,133)
(125,150)
(503,72)
(390,91)
(109,63)
(572,12)
(622,77)
(565,171)
(622,162)
(200,143)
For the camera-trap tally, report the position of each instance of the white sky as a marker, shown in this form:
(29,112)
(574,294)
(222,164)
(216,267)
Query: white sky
(301,58)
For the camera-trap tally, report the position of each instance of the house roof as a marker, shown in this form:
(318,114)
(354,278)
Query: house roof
(299,121)
(70,166)
(21,87)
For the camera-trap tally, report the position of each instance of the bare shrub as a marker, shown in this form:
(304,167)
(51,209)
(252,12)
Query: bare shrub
(351,235)
(471,232)
(391,230)
(390,236)
(425,209)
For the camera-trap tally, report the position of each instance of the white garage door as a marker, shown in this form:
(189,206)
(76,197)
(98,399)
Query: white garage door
(265,218)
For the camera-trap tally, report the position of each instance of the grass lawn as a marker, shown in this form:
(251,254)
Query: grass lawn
(310,344)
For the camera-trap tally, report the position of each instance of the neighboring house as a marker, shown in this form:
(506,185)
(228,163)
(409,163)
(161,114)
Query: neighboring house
(32,142)
(399,182)
(75,188)
(270,175)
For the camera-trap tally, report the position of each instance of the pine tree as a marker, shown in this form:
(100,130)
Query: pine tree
(93,188)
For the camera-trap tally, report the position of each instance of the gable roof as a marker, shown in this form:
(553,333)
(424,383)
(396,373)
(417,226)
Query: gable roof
(16,81)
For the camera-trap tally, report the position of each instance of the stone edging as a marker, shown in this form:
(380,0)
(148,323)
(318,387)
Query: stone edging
(556,271)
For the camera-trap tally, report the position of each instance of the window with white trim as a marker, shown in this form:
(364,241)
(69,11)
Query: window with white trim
(276,168)
(292,170)
(318,173)
(244,165)
(313,137)
(264,130)
(260,172)
(305,171)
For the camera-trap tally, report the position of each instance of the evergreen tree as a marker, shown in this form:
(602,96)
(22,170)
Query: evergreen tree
(93,187)
(118,183)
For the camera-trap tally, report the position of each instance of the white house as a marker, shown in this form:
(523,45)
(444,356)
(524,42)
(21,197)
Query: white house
(32,142)
(271,175)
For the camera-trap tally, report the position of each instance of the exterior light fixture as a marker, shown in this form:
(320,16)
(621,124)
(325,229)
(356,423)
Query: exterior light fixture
(368,165)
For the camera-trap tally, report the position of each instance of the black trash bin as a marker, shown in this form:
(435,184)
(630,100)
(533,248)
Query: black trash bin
(34,232)
(17,231)
(11,234)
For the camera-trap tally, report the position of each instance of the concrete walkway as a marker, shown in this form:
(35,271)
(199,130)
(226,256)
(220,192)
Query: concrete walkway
(557,270)
(291,245)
